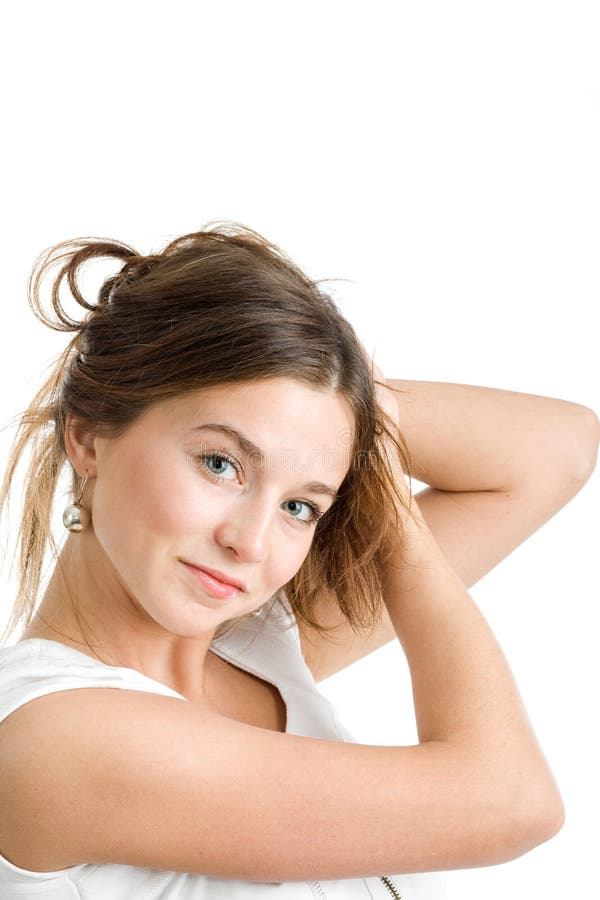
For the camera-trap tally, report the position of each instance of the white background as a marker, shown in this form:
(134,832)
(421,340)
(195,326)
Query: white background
(443,157)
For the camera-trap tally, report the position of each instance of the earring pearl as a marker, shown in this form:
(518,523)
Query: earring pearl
(74,517)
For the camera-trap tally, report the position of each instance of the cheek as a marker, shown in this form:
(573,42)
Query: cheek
(286,560)
(133,500)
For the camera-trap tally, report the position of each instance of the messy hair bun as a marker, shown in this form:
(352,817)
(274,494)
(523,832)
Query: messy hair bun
(73,254)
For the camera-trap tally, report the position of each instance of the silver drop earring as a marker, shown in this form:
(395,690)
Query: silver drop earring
(74,517)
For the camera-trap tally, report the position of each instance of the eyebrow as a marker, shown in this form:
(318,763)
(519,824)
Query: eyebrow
(251,449)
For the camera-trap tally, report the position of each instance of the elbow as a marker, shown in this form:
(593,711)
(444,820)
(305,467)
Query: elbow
(542,826)
(585,440)
(571,453)
(537,818)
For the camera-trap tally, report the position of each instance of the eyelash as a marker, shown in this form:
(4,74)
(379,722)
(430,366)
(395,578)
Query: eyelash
(316,513)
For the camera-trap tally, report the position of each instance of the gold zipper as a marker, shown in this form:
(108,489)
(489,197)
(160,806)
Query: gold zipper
(390,886)
(319,892)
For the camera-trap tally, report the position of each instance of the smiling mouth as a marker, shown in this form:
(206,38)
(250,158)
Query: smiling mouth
(222,590)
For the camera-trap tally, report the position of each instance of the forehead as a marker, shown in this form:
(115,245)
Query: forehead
(289,421)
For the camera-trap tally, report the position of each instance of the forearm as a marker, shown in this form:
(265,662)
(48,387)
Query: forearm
(468,438)
(465,696)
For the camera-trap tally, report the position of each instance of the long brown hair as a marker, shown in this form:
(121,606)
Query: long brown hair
(220,305)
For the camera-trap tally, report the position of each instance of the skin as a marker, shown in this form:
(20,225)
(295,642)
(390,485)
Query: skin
(154,504)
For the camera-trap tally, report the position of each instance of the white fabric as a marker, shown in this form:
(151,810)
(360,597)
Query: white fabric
(260,645)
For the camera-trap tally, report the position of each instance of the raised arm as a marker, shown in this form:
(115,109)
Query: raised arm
(499,464)
(467,707)
(467,704)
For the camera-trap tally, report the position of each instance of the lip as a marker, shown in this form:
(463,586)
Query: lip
(220,576)
(216,583)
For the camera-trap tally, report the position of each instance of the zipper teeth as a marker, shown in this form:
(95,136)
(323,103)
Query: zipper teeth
(390,886)
(319,892)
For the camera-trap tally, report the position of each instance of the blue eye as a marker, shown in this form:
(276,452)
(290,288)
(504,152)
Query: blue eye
(314,513)
(221,461)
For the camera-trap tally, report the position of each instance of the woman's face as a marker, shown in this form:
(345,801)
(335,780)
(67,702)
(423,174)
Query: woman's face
(180,491)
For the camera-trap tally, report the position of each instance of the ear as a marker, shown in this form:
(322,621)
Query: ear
(80,446)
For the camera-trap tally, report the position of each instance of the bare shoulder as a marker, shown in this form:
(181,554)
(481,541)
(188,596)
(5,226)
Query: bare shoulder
(146,780)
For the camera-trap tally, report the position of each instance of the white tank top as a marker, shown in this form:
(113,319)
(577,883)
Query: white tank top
(268,646)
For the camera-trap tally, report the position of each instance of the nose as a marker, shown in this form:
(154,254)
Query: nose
(245,528)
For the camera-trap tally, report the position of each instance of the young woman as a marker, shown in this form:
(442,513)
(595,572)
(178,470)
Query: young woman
(240,528)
